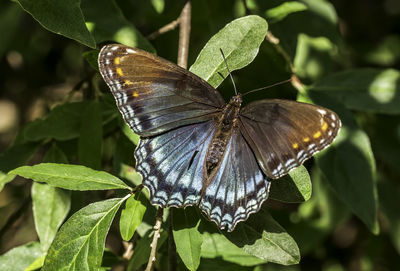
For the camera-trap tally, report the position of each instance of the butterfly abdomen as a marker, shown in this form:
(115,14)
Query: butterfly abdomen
(226,123)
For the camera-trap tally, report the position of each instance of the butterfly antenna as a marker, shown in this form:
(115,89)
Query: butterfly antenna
(230,74)
(270,86)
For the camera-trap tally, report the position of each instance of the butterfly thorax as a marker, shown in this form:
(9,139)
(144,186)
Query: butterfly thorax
(226,122)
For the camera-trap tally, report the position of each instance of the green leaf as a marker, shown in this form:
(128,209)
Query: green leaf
(130,174)
(61,17)
(131,216)
(216,245)
(369,90)
(349,165)
(62,123)
(141,253)
(91,136)
(294,187)
(91,57)
(134,138)
(38,263)
(280,12)
(240,41)
(319,216)
(158,5)
(262,237)
(188,240)
(314,56)
(50,207)
(386,53)
(106,22)
(20,258)
(80,242)
(4,179)
(71,177)
(17,155)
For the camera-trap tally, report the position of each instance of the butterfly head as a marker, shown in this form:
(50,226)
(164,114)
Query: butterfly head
(236,100)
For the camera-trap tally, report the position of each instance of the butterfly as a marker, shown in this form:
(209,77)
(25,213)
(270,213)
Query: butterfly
(196,149)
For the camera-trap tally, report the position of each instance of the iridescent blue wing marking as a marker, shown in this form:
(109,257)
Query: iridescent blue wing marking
(153,94)
(283,134)
(172,164)
(238,188)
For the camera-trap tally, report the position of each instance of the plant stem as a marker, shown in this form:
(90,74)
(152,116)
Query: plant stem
(296,82)
(166,28)
(157,228)
(184,34)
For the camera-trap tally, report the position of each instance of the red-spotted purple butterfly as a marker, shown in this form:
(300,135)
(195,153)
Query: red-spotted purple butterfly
(195,149)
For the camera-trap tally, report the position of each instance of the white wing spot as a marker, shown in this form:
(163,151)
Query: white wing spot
(322,111)
(129,50)
(114,47)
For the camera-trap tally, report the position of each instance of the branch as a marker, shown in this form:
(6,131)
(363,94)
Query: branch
(296,82)
(184,34)
(157,228)
(166,28)
(246,8)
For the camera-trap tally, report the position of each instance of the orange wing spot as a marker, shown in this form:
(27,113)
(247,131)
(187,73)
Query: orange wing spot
(127,83)
(135,94)
(119,71)
(324,126)
(317,134)
(117,60)
(295,145)
(306,139)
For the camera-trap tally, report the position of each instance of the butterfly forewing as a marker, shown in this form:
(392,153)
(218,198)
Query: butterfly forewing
(283,134)
(153,94)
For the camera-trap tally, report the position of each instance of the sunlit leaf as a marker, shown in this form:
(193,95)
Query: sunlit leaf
(20,258)
(71,177)
(239,40)
(187,238)
(262,237)
(79,244)
(131,216)
(280,12)
(294,187)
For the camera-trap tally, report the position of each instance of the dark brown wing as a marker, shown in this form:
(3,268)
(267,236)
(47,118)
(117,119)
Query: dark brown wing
(153,94)
(283,134)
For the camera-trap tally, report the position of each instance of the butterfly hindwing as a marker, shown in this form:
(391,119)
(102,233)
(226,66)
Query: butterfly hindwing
(283,134)
(238,188)
(172,164)
(153,94)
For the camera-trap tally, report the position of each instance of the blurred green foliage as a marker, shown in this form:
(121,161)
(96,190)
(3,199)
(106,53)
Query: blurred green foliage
(56,109)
